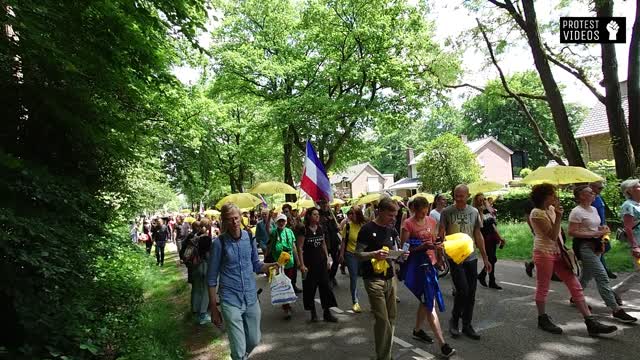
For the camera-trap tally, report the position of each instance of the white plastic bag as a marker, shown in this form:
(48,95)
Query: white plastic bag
(282,290)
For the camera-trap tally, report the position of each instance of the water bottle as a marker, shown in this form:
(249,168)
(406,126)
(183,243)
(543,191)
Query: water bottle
(405,247)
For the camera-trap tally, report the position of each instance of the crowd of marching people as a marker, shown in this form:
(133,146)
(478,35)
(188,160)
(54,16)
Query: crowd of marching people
(389,241)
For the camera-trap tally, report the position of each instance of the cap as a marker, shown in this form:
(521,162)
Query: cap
(281,217)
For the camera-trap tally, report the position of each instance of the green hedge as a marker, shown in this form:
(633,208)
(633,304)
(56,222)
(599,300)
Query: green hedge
(513,205)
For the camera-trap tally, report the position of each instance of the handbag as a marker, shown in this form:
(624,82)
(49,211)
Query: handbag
(569,258)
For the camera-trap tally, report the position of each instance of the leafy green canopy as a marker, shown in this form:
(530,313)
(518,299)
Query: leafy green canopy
(85,85)
(331,70)
(492,113)
(447,162)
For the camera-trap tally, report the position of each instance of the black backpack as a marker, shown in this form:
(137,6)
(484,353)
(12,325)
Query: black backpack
(191,253)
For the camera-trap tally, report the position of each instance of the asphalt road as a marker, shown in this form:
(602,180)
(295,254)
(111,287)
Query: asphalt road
(505,319)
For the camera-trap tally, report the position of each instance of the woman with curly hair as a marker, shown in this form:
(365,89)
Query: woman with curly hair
(546,219)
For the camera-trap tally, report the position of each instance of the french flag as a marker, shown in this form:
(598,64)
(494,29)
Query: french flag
(315,181)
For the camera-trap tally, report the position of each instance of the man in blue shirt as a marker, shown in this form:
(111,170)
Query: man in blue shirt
(598,203)
(232,264)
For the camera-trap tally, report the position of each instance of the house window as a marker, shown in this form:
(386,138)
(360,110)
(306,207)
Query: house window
(373,184)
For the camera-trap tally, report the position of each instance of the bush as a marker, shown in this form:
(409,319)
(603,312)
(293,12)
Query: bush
(524,172)
(70,284)
(447,162)
(514,205)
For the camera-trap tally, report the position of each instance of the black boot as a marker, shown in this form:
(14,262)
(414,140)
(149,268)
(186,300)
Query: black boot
(492,280)
(482,278)
(544,323)
(596,328)
(328,316)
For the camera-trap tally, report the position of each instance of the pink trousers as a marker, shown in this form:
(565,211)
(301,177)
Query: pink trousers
(546,265)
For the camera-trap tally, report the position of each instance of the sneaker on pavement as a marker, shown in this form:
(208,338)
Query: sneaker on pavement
(622,316)
(596,328)
(447,351)
(422,336)
(470,332)
(356,308)
(453,328)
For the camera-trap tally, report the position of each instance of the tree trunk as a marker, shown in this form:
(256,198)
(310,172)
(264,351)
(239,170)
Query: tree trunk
(552,91)
(622,152)
(288,151)
(633,86)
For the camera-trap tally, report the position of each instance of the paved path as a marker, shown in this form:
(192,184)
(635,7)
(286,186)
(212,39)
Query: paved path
(506,320)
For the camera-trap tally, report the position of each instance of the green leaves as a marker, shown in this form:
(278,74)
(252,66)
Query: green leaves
(329,70)
(446,162)
(492,113)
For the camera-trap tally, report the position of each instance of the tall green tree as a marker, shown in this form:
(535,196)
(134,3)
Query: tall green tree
(83,86)
(387,151)
(445,163)
(495,113)
(331,69)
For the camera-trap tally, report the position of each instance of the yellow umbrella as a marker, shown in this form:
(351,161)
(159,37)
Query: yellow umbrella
(189,219)
(305,203)
(185,211)
(242,200)
(483,186)
(368,199)
(396,198)
(560,175)
(427,196)
(273,187)
(212,212)
(335,202)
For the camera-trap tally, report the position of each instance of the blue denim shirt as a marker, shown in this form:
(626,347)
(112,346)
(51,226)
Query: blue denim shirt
(598,203)
(235,271)
(262,236)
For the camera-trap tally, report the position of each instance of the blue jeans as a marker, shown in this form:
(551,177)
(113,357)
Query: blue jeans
(352,265)
(160,253)
(199,288)
(243,328)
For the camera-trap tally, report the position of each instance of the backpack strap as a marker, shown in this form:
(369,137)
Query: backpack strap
(252,241)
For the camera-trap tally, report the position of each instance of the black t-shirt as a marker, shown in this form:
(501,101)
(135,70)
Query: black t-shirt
(161,234)
(373,237)
(487,224)
(312,250)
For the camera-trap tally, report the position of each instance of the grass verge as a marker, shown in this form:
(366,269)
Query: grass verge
(519,246)
(167,330)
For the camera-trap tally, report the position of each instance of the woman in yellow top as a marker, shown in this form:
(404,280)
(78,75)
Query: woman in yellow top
(546,219)
(347,250)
